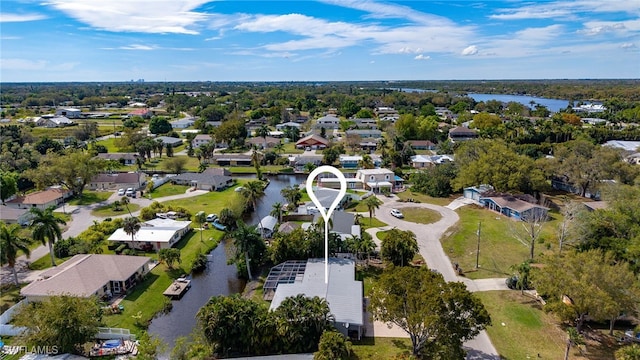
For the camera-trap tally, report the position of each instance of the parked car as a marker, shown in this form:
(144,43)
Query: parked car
(129,192)
(397,213)
(212,217)
(121,192)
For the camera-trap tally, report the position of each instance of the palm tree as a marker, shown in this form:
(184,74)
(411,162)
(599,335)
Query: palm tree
(279,148)
(246,238)
(46,228)
(200,217)
(252,191)
(256,159)
(292,195)
(10,243)
(366,162)
(159,146)
(227,218)
(276,211)
(366,245)
(573,339)
(372,203)
(131,226)
(125,201)
(263,131)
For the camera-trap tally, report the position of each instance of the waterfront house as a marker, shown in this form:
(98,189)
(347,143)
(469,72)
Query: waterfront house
(342,292)
(87,275)
(267,226)
(154,234)
(209,181)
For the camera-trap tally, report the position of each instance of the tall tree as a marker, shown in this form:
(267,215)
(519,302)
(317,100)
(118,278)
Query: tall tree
(227,218)
(399,247)
(66,322)
(46,228)
(169,256)
(252,191)
(74,170)
(10,244)
(131,226)
(249,244)
(302,320)
(292,195)
(584,283)
(372,203)
(8,185)
(200,217)
(263,132)
(125,201)
(529,229)
(276,211)
(438,315)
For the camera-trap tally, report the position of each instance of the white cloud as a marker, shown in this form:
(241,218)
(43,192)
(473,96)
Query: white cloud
(22,64)
(408,50)
(628,46)
(162,16)
(565,10)
(422,57)
(469,50)
(138,47)
(7,17)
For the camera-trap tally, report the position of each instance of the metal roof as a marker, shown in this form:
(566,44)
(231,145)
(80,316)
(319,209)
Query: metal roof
(342,292)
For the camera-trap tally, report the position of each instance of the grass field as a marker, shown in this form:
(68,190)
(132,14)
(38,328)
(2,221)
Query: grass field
(61,133)
(107,210)
(382,348)
(367,222)
(405,195)
(522,330)
(211,202)
(110,144)
(420,216)
(499,249)
(290,148)
(91,197)
(168,189)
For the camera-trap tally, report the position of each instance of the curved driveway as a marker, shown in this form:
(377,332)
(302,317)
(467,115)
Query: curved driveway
(428,237)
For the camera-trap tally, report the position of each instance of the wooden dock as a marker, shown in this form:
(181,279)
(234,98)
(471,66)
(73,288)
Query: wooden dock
(177,288)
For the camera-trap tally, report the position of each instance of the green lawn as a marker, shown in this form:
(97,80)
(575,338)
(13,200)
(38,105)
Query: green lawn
(211,202)
(147,299)
(382,348)
(367,222)
(290,148)
(90,197)
(107,210)
(110,144)
(499,249)
(521,330)
(274,169)
(417,197)
(421,216)
(168,189)
(9,296)
(61,133)
(45,261)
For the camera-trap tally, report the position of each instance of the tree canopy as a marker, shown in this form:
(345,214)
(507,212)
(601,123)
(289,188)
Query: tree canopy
(399,247)
(438,315)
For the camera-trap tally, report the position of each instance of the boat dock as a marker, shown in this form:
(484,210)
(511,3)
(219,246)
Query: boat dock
(177,288)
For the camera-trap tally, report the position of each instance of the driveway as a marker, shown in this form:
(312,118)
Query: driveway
(428,237)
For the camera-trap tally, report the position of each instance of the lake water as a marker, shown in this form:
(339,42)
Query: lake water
(553,105)
(219,278)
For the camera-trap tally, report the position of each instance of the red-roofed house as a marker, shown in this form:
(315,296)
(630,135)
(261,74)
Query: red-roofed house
(313,141)
(144,113)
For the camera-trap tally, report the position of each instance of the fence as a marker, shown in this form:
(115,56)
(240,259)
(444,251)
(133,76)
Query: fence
(114,333)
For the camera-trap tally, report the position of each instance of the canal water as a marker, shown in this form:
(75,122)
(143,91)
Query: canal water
(554,105)
(219,278)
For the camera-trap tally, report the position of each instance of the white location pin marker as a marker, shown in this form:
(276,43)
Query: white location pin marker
(326,214)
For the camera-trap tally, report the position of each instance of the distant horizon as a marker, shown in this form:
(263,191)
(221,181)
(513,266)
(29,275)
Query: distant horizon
(331,40)
(308,81)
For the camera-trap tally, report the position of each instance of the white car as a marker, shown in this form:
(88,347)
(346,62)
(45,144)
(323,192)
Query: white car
(212,217)
(130,192)
(397,213)
(121,192)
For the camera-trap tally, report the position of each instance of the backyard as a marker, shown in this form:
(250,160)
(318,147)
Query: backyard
(499,249)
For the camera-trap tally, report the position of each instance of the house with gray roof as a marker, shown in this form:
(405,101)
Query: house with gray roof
(86,275)
(342,292)
(209,181)
(135,180)
(365,133)
(183,123)
(124,158)
(169,140)
(267,226)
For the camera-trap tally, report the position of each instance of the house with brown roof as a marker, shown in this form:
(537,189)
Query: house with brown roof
(86,275)
(115,181)
(461,133)
(260,141)
(41,199)
(421,144)
(312,141)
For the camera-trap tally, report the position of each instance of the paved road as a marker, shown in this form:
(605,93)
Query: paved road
(81,219)
(428,237)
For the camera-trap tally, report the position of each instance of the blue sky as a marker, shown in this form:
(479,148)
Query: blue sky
(332,40)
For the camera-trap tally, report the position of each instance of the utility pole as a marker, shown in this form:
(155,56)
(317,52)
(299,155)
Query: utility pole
(478,248)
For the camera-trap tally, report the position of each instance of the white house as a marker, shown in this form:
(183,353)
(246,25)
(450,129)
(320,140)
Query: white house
(377,179)
(54,121)
(328,122)
(154,234)
(288,124)
(422,161)
(70,113)
(201,139)
(182,123)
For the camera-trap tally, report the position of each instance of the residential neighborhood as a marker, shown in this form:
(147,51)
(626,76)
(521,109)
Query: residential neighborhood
(171,200)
